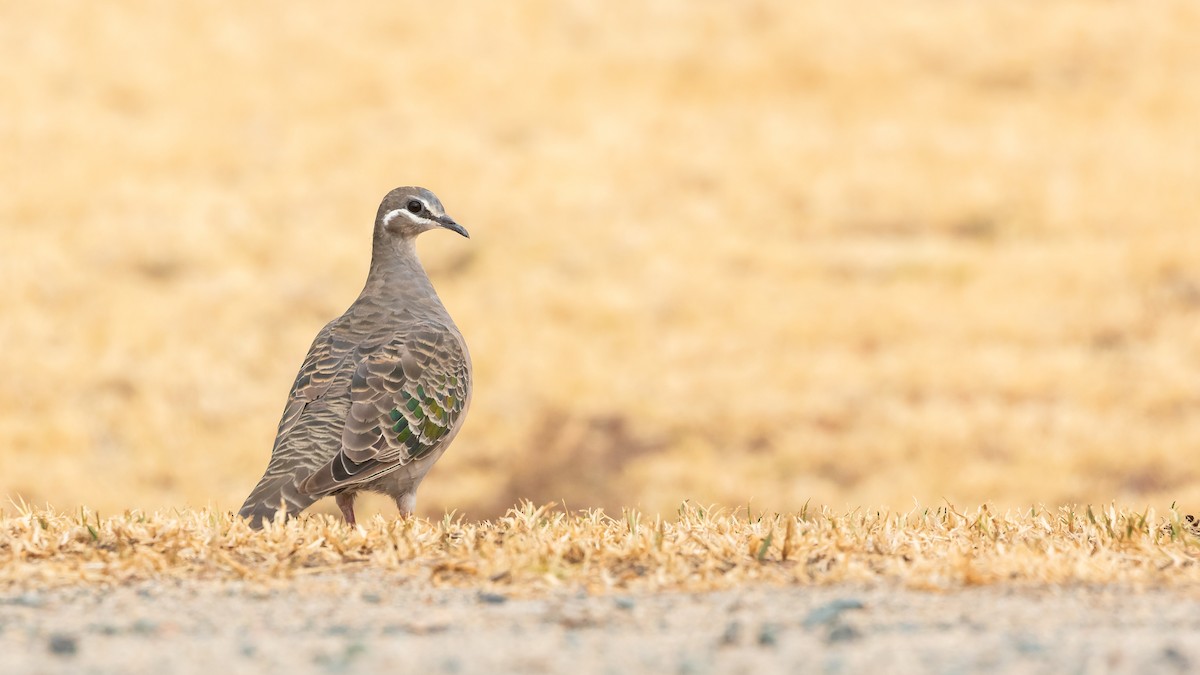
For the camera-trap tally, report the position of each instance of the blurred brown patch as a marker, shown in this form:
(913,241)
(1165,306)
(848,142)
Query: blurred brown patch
(1152,479)
(576,460)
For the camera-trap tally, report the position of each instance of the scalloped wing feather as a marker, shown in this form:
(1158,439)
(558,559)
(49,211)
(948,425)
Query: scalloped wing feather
(407,397)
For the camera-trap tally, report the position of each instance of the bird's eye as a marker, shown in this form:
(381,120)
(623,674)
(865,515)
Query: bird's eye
(415,206)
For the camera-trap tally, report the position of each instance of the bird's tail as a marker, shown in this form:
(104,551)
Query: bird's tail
(273,493)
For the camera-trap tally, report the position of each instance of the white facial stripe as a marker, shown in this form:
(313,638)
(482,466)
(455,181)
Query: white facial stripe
(390,215)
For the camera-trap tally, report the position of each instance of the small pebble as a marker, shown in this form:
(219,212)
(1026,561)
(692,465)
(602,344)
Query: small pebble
(354,650)
(690,666)
(768,634)
(732,634)
(62,644)
(833,665)
(624,602)
(24,600)
(830,611)
(1027,645)
(1177,659)
(493,598)
(843,633)
(372,597)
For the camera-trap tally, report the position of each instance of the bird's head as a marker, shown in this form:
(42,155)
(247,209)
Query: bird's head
(408,211)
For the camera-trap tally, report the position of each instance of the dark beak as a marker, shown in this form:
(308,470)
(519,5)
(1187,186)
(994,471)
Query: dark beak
(448,223)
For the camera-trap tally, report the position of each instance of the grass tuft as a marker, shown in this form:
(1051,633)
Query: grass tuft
(533,549)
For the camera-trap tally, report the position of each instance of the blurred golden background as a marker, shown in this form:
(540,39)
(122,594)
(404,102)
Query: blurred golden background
(858,253)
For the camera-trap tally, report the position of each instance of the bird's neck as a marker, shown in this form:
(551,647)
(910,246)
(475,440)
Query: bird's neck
(397,281)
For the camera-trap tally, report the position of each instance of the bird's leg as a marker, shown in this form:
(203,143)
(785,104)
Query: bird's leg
(345,502)
(407,503)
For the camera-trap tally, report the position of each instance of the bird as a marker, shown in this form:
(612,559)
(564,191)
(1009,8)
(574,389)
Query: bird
(384,388)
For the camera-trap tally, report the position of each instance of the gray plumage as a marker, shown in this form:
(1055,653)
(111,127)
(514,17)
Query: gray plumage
(385,387)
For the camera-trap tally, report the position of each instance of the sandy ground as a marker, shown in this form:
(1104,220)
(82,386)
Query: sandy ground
(371,623)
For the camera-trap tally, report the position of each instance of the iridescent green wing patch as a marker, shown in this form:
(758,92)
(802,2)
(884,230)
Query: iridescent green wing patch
(407,396)
(424,416)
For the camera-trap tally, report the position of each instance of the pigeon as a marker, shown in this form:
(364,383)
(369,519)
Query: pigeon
(384,388)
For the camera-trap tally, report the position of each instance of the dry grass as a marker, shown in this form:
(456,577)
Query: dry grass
(854,253)
(532,550)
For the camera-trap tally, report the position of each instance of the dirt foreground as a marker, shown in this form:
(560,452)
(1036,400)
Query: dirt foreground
(1065,590)
(378,622)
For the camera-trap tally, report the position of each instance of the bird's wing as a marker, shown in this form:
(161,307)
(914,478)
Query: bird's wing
(311,423)
(321,366)
(407,395)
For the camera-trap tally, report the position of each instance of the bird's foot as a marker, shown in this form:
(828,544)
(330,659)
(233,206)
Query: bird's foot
(345,502)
